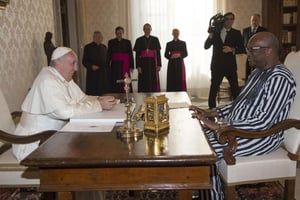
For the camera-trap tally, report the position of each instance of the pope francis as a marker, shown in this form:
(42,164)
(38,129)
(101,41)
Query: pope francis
(54,98)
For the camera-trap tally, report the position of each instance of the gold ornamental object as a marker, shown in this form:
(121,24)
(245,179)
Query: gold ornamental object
(129,129)
(156,143)
(156,113)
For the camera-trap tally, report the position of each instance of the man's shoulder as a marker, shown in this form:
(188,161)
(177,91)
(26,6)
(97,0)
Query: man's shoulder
(126,40)
(46,74)
(89,45)
(45,71)
(153,37)
(112,40)
(282,70)
(261,28)
(247,28)
(140,38)
(181,41)
(235,30)
(103,45)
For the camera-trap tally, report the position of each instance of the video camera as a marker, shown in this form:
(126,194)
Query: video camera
(216,23)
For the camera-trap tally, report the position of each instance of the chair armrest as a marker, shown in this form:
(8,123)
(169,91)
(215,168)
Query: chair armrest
(4,148)
(229,135)
(17,139)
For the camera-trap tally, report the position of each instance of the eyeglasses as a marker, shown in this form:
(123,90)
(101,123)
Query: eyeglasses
(251,49)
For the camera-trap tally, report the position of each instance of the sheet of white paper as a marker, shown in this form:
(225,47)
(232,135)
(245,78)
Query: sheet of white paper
(88,127)
(173,105)
(117,114)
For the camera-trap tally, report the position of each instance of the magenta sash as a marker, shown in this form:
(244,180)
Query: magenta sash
(125,58)
(183,76)
(149,53)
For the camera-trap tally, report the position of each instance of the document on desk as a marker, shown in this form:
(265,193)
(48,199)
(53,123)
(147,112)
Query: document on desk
(115,115)
(174,105)
(103,121)
(88,127)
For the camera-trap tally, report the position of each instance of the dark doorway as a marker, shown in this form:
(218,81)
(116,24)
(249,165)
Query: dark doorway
(65,22)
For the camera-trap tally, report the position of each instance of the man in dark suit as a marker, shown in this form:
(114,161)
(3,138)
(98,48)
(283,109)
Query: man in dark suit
(247,34)
(226,44)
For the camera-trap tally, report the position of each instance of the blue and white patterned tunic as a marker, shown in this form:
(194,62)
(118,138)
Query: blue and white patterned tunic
(264,101)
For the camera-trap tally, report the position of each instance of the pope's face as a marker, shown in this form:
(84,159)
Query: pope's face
(67,65)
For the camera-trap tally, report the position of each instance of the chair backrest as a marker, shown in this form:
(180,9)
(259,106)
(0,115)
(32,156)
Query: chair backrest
(292,136)
(6,122)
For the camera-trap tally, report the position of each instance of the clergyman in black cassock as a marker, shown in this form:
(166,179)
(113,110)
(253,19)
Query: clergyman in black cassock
(95,61)
(148,61)
(120,59)
(175,52)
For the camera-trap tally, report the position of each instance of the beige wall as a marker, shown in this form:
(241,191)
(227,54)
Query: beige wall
(23,25)
(103,16)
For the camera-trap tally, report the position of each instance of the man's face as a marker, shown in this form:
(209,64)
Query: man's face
(119,34)
(256,52)
(175,33)
(147,29)
(255,21)
(229,19)
(98,38)
(67,65)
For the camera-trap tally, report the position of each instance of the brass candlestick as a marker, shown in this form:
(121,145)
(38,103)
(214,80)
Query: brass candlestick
(129,128)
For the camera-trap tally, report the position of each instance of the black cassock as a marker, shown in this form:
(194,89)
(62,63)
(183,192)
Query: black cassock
(120,58)
(148,58)
(97,82)
(176,78)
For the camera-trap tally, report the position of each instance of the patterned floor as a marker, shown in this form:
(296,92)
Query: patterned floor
(265,191)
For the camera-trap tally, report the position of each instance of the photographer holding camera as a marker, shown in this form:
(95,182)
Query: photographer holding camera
(226,42)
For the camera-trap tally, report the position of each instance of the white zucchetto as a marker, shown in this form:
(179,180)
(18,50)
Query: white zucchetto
(59,52)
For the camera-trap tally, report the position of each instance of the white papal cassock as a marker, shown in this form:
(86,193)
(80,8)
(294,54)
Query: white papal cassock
(50,103)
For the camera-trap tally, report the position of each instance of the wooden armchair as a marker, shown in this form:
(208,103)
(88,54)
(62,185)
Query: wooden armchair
(278,165)
(12,174)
